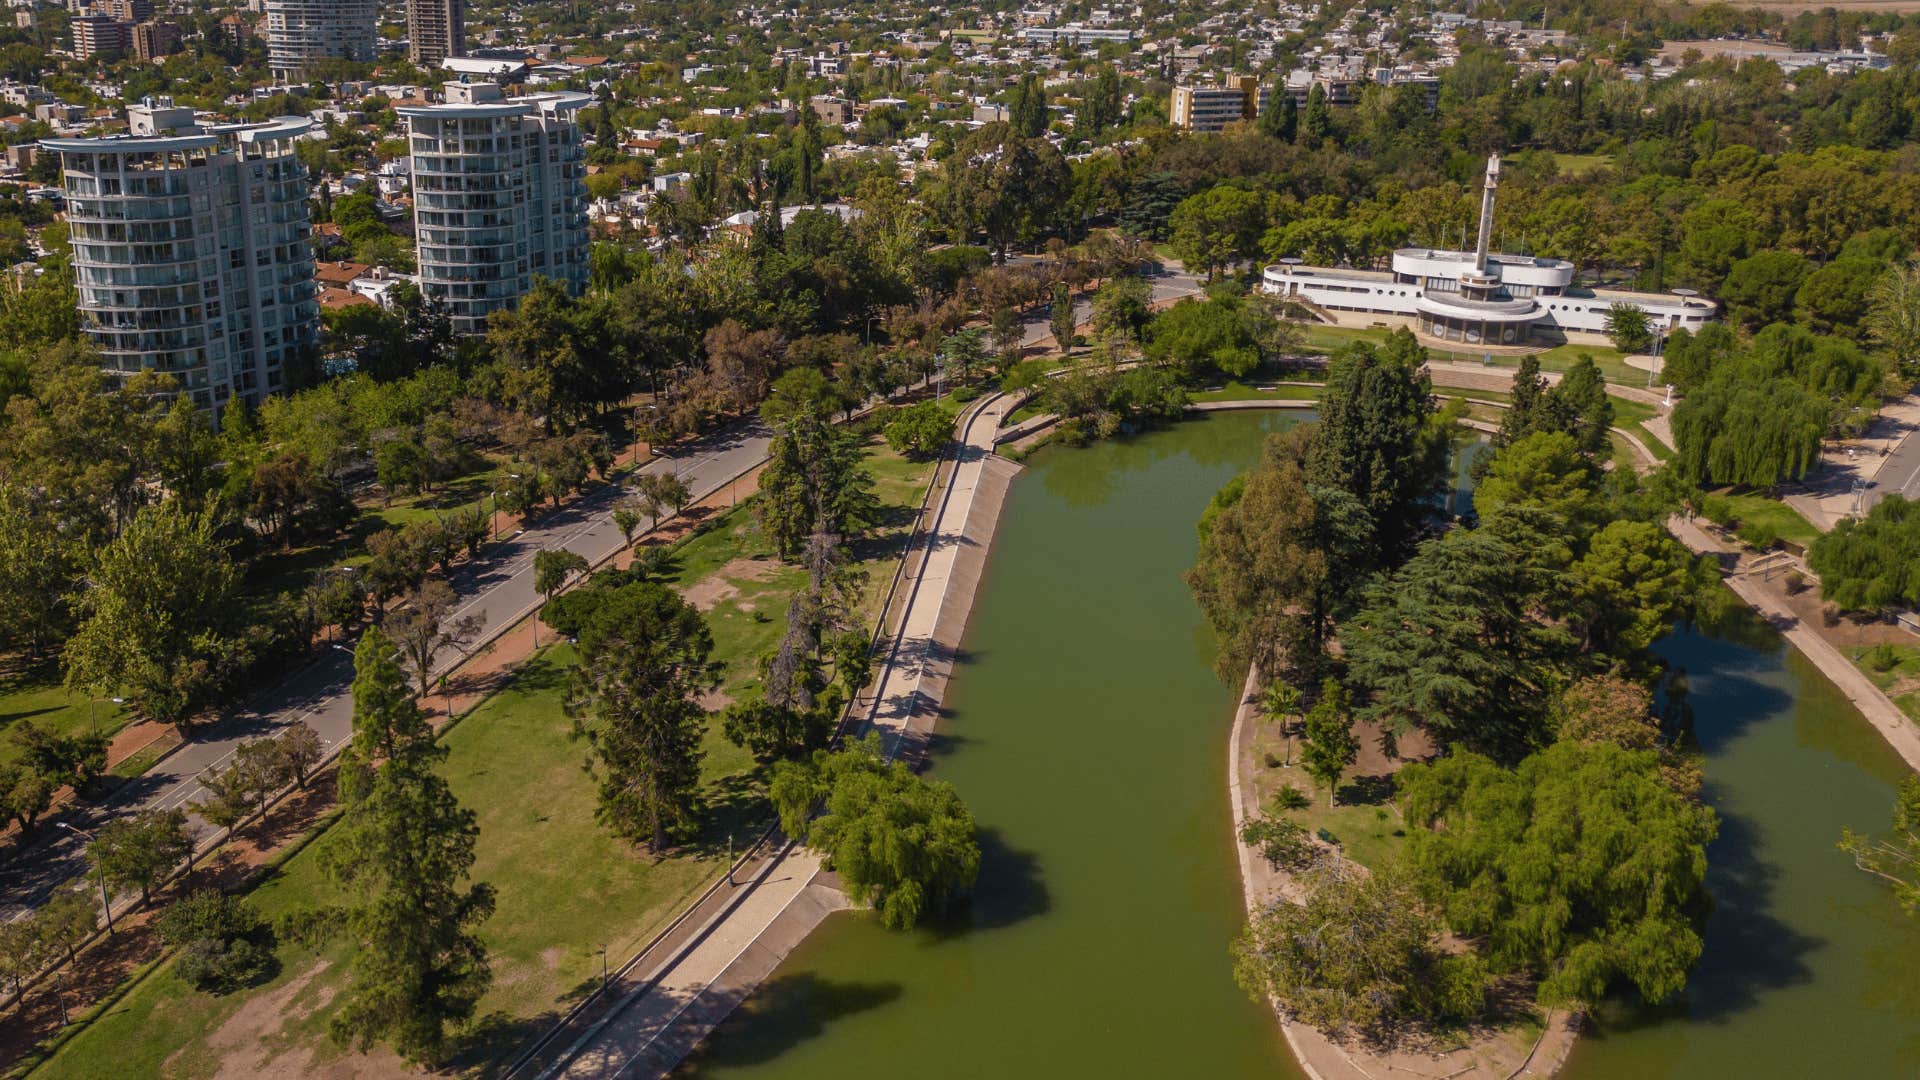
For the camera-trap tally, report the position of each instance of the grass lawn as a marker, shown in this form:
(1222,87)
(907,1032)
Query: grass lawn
(1611,361)
(1581,164)
(1782,520)
(37,697)
(566,887)
(1365,824)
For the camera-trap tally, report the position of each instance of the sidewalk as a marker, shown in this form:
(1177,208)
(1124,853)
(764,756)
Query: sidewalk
(1828,494)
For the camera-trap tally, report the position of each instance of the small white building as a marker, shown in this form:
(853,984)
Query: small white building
(1477,297)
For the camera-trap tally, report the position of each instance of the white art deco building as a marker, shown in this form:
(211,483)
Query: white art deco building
(500,198)
(1477,297)
(191,249)
(302,32)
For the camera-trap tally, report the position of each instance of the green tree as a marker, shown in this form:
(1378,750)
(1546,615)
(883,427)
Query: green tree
(815,480)
(772,732)
(919,431)
(553,568)
(24,795)
(1760,289)
(645,656)
(1869,564)
(1274,563)
(1581,866)
(138,852)
(662,494)
(300,750)
(1545,471)
(218,938)
(1634,582)
(1895,859)
(1375,440)
(1449,643)
(1061,319)
(154,619)
(1331,744)
(38,567)
(1217,228)
(1629,329)
(405,848)
(427,624)
(1120,307)
(1578,405)
(1363,955)
(66,921)
(1836,298)
(387,721)
(1893,316)
(903,844)
(1736,431)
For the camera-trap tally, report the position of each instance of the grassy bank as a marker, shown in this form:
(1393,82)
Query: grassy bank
(36,696)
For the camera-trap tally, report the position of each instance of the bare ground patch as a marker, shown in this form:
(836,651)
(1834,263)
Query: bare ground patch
(724,583)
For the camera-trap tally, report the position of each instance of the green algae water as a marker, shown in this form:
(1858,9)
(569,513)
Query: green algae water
(1810,969)
(1087,733)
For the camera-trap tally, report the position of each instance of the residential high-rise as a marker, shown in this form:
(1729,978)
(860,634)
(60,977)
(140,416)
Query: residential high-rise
(436,29)
(191,252)
(153,40)
(1212,108)
(302,32)
(100,37)
(499,198)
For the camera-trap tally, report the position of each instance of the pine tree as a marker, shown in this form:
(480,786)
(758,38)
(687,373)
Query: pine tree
(406,847)
(644,657)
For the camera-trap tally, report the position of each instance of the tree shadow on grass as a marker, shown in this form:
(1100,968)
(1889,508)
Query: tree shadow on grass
(1372,790)
(783,1013)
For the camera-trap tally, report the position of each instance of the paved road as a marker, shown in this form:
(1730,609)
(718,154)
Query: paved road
(1168,285)
(1900,473)
(499,588)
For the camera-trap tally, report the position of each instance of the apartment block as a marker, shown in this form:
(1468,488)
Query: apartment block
(1212,108)
(500,198)
(190,249)
(436,30)
(100,37)
(300,33)
(153,40)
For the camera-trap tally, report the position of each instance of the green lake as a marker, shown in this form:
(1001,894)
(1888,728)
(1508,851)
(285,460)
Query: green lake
(1086,730)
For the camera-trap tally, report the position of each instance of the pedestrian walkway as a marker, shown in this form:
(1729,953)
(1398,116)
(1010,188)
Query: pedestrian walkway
(913,678)
(644,1035)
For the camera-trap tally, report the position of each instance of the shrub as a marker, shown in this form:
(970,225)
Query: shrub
(1756,536)
(1829,616)
(217,937)
(1796,583)
(221,967)
(1881,658)
(965,394)
(1289,798)
(1271,761)
(1285,844)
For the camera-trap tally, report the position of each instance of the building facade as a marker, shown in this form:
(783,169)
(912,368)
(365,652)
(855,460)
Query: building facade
(99,37)
(499,196)
(153,40)
(191,253)
(1479,297)
(1212,108)
(300,33)
(436,30)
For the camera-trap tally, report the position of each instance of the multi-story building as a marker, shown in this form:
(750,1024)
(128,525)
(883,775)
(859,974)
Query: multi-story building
(190,249)
(499,196)
(1212,108)
(303,32)
(100,36)
(132,11)
(152,40)
(1480,297)
(436,29)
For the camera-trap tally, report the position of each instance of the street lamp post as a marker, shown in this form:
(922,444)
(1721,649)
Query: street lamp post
(106,905)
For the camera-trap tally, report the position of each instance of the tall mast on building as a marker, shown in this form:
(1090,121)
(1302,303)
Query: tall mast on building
(1486,214)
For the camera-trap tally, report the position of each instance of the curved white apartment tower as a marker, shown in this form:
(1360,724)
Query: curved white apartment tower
(191,249)
(499,198)
(300,32)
